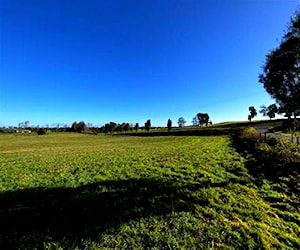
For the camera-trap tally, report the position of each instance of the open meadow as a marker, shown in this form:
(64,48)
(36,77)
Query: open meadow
(77,191)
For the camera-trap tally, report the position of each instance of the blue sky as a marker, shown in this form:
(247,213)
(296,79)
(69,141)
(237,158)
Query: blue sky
(129,61)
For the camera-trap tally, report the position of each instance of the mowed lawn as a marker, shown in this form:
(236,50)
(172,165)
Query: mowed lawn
(75,191)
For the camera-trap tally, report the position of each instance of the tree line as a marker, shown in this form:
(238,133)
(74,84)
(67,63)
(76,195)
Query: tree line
(201,119)
(269,111)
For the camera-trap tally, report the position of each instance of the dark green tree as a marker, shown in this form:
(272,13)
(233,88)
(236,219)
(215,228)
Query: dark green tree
(203,118)
(136,126)
(281,71)
(263,110)
(253,113)
(269,111)
(41,131)
(181,122)
(112,127)
(106,128)
(195,121)
(126,126)
(169,124)
(249,118)
(148,125)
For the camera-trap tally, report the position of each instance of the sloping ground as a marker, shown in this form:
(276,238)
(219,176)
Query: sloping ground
(94,192)
(261,123)
(184,132)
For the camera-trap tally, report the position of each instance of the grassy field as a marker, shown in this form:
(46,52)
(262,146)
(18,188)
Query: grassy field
(75,191)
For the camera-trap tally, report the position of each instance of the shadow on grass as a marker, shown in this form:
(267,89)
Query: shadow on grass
(32,216)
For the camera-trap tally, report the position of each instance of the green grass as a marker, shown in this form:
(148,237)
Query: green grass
(79,191)
(260,123)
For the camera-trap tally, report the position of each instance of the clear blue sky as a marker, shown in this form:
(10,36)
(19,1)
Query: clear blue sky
(129,61)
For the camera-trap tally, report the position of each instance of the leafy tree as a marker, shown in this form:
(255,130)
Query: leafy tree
(136,126)
(112,127)
(148,125)
(269,111)
(79,127)
(249,118)
(195,121)
(281,71)
(74,127)
(169,124)
(119,128)
(203,118)
(82,127)
(126,126)
(253,113)
(181,122)
(106,128)
(263,110)
(24,124)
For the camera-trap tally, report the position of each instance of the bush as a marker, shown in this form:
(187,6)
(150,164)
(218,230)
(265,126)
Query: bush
(41,131)
(273,159)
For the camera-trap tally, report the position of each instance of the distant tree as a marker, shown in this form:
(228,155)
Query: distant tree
(94,130)
(249,118)
(281,71)
(263,110)
(26,124)
(253,113)
(112,127)
(203,118)
(41,131)
(126,127)
(74,127)
(169,124)
(195,121)
(148,125)
(136,126)
(79,127)
(181,122)
(269,111)
(119,128)
(106,128)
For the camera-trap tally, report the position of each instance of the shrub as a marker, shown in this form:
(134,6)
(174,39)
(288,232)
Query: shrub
(273,159)
(41,131)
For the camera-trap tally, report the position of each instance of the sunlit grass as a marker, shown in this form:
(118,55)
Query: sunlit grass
(137,192)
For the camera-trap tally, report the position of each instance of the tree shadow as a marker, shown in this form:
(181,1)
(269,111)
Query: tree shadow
(30,217)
